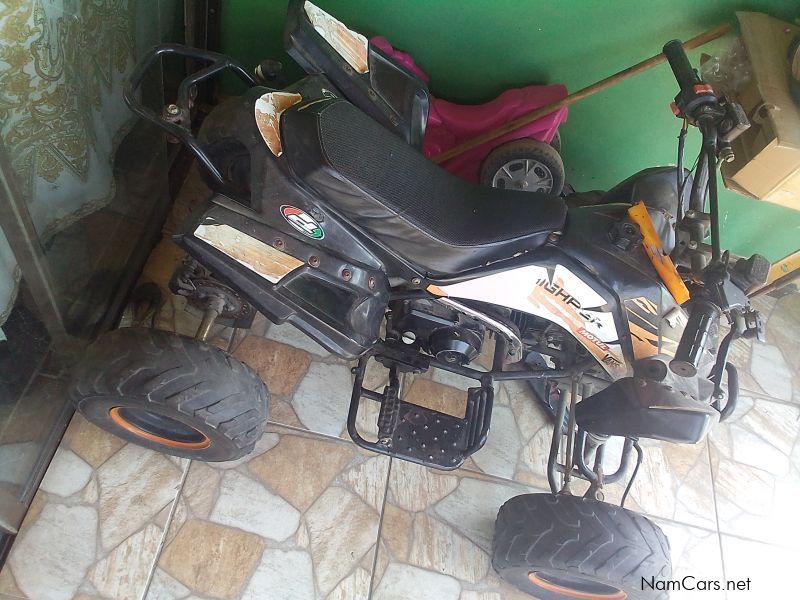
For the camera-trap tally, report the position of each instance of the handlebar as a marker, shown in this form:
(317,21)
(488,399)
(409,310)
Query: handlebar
(700,332)
(681,67)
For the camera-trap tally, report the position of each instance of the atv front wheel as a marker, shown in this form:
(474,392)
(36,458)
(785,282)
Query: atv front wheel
(171,393)
(572,548)
(526,165)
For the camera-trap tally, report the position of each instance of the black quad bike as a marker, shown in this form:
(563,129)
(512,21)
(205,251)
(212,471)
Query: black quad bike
(325,216)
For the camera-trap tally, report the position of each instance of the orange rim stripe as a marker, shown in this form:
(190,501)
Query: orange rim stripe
(551,587)
(127,426)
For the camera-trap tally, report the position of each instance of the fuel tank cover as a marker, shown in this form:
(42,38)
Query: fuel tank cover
(641,408)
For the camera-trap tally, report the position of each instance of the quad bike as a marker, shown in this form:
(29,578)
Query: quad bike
(324,218)
(526,158)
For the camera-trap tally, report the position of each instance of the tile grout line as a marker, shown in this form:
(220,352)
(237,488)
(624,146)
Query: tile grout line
(167,525)
(716,515)
(380,531)
(764,396)
(496,478)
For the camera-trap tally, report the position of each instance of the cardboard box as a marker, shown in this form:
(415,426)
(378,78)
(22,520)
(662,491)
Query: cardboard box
(767,164)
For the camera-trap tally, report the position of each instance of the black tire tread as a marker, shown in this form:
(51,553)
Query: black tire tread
(191,377)
(592,538)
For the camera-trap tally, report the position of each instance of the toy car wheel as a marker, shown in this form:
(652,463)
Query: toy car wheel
(525,165)
(556,142)
(567,547)
(171,393)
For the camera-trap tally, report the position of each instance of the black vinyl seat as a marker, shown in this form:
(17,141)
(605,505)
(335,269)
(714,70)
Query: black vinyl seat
(434,220)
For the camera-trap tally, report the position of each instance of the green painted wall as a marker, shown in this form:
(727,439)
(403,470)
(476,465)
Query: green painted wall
(473,49)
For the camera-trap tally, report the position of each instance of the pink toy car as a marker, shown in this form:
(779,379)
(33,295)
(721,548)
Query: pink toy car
(387,85)
(526,159)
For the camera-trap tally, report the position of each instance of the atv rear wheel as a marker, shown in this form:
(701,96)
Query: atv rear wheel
(171,393)
(526,165)
(566,547)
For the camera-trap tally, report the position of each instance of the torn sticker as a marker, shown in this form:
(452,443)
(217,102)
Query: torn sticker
(270,263)
(351,45)
(268,111)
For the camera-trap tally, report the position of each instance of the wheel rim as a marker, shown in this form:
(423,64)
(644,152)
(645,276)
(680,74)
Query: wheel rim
(526,174)
(159,428)
(575,586)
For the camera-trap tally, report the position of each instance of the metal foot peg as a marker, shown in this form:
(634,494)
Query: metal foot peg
(419,434)
(390,409)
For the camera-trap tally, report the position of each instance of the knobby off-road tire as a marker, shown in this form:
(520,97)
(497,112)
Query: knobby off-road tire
(568,547)
(171,393)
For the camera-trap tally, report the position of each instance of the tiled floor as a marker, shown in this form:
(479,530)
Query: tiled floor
(308,515)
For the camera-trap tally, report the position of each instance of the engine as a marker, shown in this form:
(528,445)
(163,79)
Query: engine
(438,330)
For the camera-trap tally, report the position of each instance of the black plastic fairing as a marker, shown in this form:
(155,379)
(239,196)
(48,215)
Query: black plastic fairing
(388,93)
(641,408)
(342,313)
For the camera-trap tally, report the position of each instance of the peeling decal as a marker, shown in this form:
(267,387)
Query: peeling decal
(593,338)
(351,45)
(643,326)
(303,222)
(553,298)
(647,338)
(272,264)
(268,109)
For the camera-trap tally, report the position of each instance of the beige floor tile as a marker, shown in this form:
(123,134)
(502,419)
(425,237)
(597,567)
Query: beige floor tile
(124,572)
(756,471)
(322,399)
(280,366)
(696,557)
(305,500)
(211,559)
(53,555)
(279,468)
(134,485)
(769,569)
(91,443)
(290,335)
(436,396)
(436,533)
(93,531)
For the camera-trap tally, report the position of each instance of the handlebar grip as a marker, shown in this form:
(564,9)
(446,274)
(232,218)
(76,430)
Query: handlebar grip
(700,332)
(681,67)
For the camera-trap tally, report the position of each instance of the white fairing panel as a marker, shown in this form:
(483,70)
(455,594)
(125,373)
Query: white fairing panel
(562,298)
